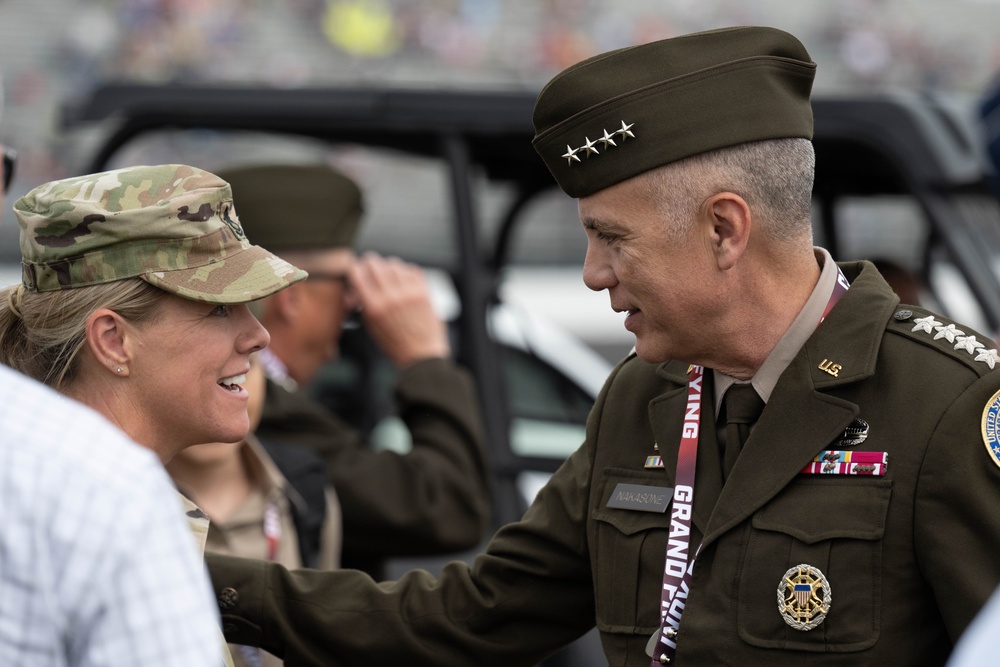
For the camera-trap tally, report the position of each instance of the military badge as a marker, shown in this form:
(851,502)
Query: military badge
(854,434)
(847,462)
(804,597)
(653,462)
(991,428)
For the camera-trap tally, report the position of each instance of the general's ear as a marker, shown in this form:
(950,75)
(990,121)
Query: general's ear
(107,339)
(731,223)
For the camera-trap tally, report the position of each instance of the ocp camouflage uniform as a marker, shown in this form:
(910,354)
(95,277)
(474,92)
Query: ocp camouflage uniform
(174,226)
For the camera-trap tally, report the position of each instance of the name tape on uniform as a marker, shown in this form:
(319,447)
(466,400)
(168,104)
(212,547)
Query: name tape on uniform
(641,497)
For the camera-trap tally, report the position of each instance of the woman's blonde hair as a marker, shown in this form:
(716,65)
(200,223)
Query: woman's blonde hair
(42,333)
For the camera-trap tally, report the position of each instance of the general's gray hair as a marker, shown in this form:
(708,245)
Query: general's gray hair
(774,177)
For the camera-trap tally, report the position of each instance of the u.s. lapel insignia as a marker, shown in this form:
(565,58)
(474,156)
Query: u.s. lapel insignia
(804,597)
(854,434)
(991,428)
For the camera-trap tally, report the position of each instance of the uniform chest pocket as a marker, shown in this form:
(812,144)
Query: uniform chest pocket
(630,547)
(835,526)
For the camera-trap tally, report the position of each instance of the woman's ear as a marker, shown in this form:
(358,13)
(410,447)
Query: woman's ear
(731,223)
(107,339)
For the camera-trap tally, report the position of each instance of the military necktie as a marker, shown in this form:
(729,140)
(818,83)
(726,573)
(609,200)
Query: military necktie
(742,409)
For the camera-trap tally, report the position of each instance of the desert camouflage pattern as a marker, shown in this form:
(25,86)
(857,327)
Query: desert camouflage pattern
(174,226)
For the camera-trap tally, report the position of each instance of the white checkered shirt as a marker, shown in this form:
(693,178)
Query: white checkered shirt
(97,566)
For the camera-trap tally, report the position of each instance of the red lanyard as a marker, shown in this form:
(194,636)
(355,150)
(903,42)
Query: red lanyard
(678,566)
(272,529)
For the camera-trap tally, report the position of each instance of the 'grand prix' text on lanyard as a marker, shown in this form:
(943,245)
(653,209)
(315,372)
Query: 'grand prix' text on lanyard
(678,567)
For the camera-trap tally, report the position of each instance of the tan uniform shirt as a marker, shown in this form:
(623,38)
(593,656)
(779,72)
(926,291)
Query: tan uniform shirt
(199,524)
(242,533)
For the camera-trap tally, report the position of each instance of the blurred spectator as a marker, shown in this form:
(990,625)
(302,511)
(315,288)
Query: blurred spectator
(432,499)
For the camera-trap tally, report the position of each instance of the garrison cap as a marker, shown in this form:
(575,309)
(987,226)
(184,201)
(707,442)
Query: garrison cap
(172,225)
(296,207)
(621,113)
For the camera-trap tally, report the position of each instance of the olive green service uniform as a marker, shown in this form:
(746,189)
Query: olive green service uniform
(879,556)
(433,499)
(910,557)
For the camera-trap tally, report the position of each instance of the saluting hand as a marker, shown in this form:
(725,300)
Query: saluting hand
(397,311)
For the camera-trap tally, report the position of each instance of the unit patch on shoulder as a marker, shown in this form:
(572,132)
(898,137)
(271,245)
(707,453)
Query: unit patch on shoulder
(991,428)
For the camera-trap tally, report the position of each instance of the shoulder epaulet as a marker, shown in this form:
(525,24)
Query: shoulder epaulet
(961,342)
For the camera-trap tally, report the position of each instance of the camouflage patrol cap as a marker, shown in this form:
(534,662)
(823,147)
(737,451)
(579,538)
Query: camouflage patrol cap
(173,226)
(618,114)
(296,207)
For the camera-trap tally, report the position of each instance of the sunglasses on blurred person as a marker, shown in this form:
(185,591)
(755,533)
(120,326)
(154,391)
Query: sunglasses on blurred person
(353,319)
(9,159)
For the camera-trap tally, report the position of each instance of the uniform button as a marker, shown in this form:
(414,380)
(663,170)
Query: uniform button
(903,315)
(228,597)
(664,660)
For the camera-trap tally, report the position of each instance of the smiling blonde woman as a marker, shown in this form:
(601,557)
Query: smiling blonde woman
(133,301)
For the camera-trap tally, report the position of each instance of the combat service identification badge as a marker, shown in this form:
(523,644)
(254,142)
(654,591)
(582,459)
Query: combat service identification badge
(804,597)
(991,428)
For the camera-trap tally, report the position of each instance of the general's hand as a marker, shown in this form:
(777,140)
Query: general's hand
(396,309)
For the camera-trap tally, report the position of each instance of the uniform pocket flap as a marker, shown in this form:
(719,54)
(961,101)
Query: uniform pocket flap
(646,511)
(823,509)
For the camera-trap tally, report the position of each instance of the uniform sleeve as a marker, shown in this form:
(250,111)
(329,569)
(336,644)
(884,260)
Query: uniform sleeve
(529,595)
(957,510)
(436,497)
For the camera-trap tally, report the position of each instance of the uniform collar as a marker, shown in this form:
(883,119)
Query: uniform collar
(197,522)
(792,340)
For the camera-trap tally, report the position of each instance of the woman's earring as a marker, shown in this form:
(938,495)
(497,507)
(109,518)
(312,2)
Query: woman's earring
(119,369)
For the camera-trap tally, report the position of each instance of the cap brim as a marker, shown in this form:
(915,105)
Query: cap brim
(247,275)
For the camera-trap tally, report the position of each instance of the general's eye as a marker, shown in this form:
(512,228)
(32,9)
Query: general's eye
(607,238)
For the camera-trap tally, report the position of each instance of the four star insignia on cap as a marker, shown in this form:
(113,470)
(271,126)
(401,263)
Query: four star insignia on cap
(590,147)
(626,131)
(571,154)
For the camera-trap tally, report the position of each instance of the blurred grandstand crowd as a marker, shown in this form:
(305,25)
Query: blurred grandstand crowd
(53,51)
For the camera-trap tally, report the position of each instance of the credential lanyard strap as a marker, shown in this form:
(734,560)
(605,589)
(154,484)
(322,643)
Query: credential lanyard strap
(678,566)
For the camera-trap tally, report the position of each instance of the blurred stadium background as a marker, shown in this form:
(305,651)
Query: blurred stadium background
(53,52)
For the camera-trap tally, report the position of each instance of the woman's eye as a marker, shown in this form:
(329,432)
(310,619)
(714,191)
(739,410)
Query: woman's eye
(221,311)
